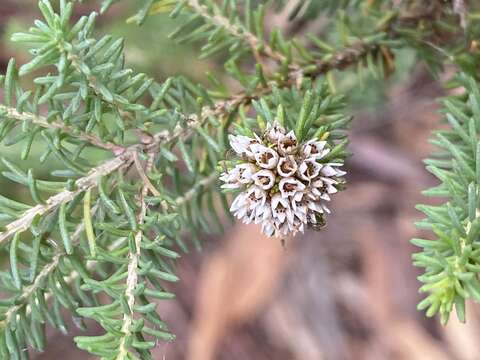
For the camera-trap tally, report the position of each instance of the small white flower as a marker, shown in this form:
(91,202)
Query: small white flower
(330,170)
(274,131)
(256,197)
(265,157)
(281,209)
(321,188)
(299,204)
(282,228)
(245,172)
(287,166)
(290,187)
(328,185)
(268,228)
(315,149)
(284,186)
(263,214)
(241,144)
(297,226)
(309,169)
(265,179)
(314,206)
(249,205)
(239,205)
(230,180)
(287,144)
(240,175)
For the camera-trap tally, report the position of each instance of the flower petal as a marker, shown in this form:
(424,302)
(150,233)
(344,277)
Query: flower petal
(290,186)
(309,169)
(287,166)
(245,172)
(265,157)
(287,144)
(265,179)
(314,149)
(274,131)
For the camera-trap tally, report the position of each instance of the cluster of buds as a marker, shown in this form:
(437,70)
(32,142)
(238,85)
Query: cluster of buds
(284,185)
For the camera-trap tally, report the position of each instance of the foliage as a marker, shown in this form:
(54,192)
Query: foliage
(451,260)
(137,161)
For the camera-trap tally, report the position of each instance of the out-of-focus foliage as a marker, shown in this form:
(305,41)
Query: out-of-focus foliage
(114,167)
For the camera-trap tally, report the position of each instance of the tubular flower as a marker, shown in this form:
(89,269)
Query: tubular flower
(284,185)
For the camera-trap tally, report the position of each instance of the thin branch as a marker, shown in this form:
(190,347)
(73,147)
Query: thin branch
(30,290)
(82,184)
(141,172)
(46,271)
(93,82)
(238,31)
(12,113)
(126,157)
(134,260)
(55,262)
(193,121)
(43,274)
(340,60)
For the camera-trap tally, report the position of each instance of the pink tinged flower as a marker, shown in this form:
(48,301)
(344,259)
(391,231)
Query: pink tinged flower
(309,169)
(250,218)
(287,144)
(290,187)
(264,179)
(299,208)
(274,131)
(287,166)
(265,157)
(239,143)
(315,149)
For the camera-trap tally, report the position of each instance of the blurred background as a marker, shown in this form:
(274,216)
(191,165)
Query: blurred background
(348,291)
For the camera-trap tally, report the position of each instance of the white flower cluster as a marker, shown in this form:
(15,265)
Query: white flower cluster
(284,184)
